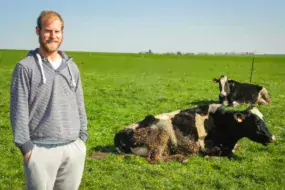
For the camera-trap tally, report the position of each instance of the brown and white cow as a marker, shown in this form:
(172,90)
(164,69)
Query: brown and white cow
(209,130)
(234,93)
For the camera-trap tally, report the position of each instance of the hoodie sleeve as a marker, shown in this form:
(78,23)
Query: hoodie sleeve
(81,109)
(19,109)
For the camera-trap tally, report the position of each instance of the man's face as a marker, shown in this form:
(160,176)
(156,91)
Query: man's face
(51,35)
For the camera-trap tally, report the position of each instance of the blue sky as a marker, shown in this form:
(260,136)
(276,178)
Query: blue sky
(159,25)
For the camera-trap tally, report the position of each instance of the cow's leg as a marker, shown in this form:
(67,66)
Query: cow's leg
(261,101)
(157,143)
(153,156)
(236,147)
(178,157)
(220,152)
(215,151)
(263,97)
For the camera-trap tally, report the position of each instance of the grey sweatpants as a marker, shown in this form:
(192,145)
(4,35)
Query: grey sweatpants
(56,166)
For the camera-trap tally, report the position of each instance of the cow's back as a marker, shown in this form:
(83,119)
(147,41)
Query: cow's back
(243,92)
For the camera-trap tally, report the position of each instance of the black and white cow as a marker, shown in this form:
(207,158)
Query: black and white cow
(234,93)
(210,130)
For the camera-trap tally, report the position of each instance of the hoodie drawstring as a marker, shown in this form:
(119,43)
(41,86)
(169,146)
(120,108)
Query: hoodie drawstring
(41,66)
(72,79)
(43,74)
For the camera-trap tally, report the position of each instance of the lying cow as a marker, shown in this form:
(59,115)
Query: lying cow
(209,130)
(234,93)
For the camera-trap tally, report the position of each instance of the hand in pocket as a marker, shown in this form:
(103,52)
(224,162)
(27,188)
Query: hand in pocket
(27,157)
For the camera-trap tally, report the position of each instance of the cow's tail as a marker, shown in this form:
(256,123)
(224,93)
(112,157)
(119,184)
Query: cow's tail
(265,96)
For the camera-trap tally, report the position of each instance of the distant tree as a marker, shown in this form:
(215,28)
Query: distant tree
(149,51)
(179,53)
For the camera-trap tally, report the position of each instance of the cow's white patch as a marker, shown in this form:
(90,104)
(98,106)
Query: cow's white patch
(256,112)
(273,138)
(161,124)
(166,125)
(162,116)
(225,102)
(167,115)
(133,126)
(141,151)
(235,103)
(201,125)
(213,107)
(223,81)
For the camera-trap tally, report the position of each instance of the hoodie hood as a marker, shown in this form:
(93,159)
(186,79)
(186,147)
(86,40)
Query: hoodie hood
(40,60)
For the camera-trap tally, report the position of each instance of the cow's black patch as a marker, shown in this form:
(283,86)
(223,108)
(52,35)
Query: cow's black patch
(243,92)
(185,122)
(123,140)
(226,132)
(148,121)
(202,110)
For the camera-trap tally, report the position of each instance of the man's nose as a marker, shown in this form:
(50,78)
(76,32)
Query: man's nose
(52,34)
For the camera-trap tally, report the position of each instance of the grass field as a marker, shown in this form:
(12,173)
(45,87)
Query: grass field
(120,89)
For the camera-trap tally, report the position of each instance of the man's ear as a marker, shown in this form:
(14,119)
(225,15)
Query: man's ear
(37,30)
(239,117)
(215,80)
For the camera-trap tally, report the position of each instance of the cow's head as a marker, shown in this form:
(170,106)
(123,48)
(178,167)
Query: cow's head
(224,88)
(254,126)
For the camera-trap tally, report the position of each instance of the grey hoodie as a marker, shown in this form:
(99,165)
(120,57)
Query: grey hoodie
(46,105)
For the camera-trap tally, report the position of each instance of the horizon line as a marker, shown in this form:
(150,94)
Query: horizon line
(166,53)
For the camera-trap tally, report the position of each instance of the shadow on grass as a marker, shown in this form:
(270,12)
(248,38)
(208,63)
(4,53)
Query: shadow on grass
(204,102)
(107,149)
(101,152)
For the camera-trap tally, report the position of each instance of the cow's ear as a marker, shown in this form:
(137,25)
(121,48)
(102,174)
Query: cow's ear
(239,117)
(215,80)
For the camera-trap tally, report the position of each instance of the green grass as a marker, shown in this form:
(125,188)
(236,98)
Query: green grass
(120,89)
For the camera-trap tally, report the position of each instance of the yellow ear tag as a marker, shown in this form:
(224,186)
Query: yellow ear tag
(239,120)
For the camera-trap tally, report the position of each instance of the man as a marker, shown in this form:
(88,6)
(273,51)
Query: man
(47,111)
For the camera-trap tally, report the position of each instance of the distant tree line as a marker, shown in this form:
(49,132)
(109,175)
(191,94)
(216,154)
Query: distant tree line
(197,53)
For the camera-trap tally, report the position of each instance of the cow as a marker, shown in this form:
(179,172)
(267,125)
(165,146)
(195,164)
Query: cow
(208,130)
(233,93)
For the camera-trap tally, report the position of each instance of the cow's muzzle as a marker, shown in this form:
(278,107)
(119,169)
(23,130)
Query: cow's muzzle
(273,138)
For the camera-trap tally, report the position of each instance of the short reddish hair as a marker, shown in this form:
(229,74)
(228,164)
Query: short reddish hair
(48,15)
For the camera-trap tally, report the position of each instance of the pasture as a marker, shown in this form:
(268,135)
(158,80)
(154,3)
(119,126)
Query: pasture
(120,89)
